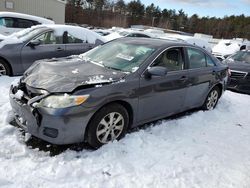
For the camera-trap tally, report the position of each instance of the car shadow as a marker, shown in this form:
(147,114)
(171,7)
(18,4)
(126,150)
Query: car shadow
(53,150)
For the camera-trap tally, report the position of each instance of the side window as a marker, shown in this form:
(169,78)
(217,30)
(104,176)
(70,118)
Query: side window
(70,39)
(131,35)
(142,35)
(210,62)
(47,38)
(1,22)
(172,59)
(197,58)
(23,23)
(9,22)
(35,22)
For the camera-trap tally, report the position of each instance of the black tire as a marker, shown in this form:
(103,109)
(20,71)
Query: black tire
(104,123)
(212,99)
(4,68)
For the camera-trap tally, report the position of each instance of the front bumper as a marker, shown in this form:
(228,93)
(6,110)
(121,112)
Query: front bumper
(56,126)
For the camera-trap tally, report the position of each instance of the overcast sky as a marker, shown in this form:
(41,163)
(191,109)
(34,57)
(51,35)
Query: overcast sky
(217,8)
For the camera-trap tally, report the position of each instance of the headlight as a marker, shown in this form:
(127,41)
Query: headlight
(62,101)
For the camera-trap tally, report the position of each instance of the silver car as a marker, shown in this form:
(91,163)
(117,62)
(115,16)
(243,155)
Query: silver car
(20,50)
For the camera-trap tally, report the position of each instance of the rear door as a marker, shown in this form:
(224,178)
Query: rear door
(50,46)
(164,95)
(202,75)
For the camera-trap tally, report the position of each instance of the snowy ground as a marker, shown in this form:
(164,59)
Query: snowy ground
(204,149)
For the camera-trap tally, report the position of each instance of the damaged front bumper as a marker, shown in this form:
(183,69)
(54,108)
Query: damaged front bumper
(56,126)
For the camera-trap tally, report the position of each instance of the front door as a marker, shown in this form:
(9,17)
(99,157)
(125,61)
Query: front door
(49,47)
(161,96)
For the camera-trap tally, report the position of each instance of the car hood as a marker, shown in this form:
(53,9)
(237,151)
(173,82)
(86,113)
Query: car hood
(238,66)
(66,74)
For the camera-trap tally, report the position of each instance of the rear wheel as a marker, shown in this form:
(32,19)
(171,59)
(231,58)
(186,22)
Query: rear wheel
(108,124)
(4,68)
(212,99)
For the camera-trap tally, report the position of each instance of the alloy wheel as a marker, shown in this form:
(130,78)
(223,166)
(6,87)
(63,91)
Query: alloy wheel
(110,127)
(212,99)
(3,70)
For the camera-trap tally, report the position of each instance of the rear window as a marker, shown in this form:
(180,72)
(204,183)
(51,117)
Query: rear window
(23,23)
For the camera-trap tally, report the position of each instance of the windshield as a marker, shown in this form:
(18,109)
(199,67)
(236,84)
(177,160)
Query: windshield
(241,56)
(124,57)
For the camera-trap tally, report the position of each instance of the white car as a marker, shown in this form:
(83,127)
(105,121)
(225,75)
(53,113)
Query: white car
(11,22)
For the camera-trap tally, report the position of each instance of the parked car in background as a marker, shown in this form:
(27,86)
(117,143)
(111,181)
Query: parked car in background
(97,96)
(239,64)
(103,32)
(11,22)
(227,47)
(126,33)
(20,50)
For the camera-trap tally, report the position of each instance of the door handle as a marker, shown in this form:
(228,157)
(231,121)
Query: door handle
(59,49)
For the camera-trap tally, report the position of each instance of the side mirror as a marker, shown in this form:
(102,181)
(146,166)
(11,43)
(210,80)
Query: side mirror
(34,43)
(156,71)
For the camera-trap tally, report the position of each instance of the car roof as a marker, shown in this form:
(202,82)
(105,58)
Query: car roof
(153,42)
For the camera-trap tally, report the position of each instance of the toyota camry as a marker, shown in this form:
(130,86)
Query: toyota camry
(97,96)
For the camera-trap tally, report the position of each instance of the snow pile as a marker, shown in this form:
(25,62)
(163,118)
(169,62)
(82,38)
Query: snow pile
(189,39)
(98,80)
(2,37)
(18,94)
(78,32)
(226,47)
(203,149)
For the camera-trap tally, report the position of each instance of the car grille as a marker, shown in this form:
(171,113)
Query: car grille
(238,74)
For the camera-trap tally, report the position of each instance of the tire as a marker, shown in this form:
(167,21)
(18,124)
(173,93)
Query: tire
(4,68)
(105,126)
(212,99)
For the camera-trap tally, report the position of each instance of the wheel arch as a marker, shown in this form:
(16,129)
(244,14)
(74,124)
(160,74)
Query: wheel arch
(220,86)
(123,103)
(8,64)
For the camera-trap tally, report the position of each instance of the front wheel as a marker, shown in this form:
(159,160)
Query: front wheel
(212,99)
(108,124)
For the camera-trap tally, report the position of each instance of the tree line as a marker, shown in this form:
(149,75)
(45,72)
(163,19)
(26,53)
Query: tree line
(119,13)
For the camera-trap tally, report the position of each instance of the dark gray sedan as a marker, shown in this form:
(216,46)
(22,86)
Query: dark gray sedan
(99,95)
(21,49)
